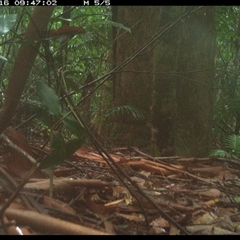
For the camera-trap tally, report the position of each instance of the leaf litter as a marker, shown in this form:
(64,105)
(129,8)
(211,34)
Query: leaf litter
(201,194)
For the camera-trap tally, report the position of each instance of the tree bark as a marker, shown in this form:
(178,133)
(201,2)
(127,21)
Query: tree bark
(164,90)
(194,84)
(134,83)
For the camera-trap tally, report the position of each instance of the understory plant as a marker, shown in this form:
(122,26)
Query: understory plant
(231,148)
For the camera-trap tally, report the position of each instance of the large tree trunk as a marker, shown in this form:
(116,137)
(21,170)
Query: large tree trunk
(163,91)
(172,81)
(133,85)
(196,54)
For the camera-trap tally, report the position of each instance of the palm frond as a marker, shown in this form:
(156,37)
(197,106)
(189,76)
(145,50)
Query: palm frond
(125,110)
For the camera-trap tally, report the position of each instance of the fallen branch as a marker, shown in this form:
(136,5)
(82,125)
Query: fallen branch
(43,223)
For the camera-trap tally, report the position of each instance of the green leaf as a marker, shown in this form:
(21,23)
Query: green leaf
(48,98)
(58,152)
(7,22)
(43,116)
(72,146)
(3,58)
(237,199)
(74,127)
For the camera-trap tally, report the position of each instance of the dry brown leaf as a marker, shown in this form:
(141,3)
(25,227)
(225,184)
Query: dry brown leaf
(174,230)
(211,202)
(16,162)
(206,218)
(87,153)
(139,181)
(95,198)
(144,173)
(182,201)
(208,230)
(225,222)
(226,175)
(120,191)
(160,222)
(128,199)
(208,193)
(109,227)
(132,217)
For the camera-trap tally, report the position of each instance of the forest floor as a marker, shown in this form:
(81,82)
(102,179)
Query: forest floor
(154,196)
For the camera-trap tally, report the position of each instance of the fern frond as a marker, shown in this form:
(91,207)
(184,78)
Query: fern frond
(232,142)
(220,153)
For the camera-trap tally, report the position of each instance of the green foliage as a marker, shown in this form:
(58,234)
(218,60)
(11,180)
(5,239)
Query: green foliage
(43,116)
(232,145)
(73,127)
(125,110)
(237,199)
(220,153)
(89,52)
(77,56)
(14,19)
(3,58)
(58,152)
(61,150)
(7,22)
(73,145)
(48,98)
(226,116)
(233,142)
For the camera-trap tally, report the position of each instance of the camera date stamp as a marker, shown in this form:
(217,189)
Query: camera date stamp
(28,3)
(51,3)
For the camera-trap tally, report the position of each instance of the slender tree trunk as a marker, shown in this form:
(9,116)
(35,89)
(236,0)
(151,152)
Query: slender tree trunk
(23,63)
